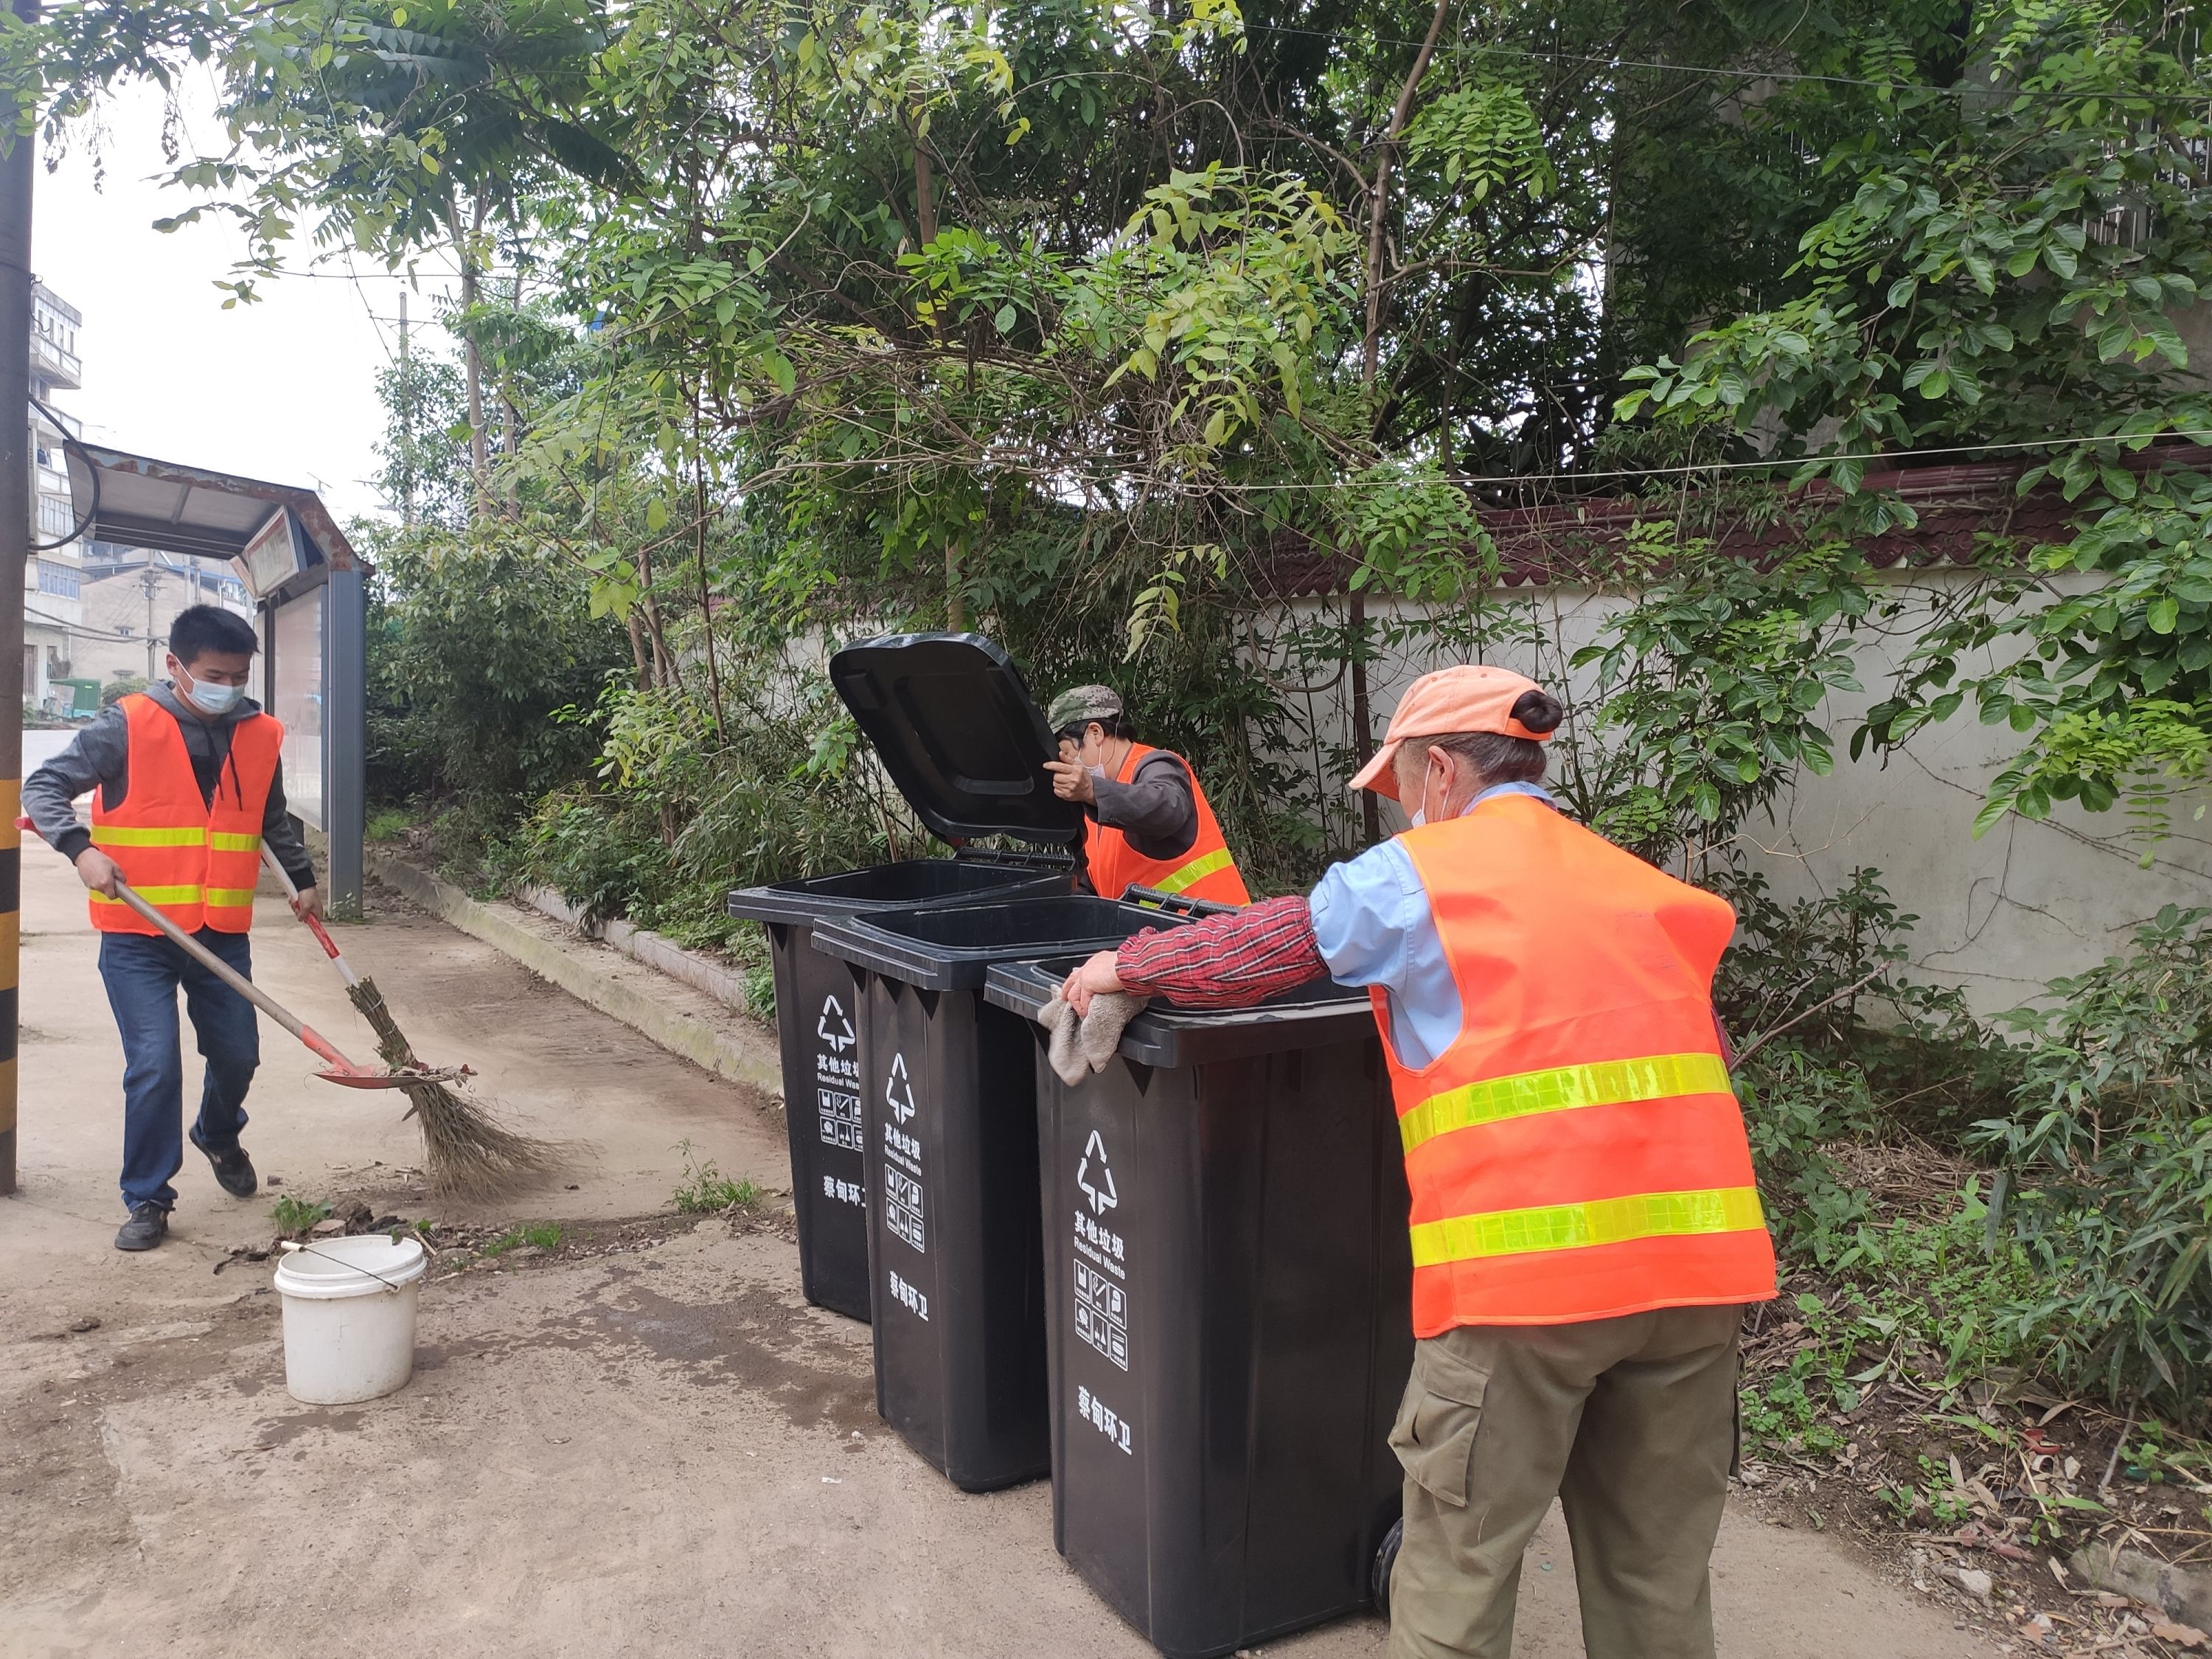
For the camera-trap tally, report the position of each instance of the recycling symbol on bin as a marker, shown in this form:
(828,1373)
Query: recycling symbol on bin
(898,1093)
(839,1038)
(1103,1197)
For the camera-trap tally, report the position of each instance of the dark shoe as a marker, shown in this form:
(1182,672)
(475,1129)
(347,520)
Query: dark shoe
(234,1170)
(148,1226)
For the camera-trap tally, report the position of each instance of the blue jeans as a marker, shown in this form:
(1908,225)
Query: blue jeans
(142,972)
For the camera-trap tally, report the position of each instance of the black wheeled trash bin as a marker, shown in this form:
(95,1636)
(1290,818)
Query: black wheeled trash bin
(949,1107)
(988,786)
(818,1038)
(1228,1312)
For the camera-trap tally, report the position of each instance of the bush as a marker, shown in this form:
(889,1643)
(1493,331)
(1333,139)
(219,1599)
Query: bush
(477,643)
(680,812)
(2106,1161)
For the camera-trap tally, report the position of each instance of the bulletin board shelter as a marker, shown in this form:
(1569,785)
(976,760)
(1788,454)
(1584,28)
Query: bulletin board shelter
(310,597)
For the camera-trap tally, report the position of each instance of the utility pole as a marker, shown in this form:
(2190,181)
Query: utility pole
(149,582)
(17,175)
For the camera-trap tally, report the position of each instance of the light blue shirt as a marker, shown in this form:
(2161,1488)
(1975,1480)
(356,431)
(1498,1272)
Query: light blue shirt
(1372,921)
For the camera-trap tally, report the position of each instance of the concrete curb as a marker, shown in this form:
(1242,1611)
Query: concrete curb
(726,1055)
(643,946)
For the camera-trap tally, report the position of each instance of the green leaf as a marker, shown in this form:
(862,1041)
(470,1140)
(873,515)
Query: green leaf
(1004,321)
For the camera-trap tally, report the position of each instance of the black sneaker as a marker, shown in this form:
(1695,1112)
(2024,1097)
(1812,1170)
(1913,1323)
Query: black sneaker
(234,1170)
(148,1226)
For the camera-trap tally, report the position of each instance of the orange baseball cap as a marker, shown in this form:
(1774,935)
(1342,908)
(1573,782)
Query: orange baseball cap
(1471,698)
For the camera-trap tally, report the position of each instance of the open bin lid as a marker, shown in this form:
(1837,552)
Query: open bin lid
(1309,1016)
(958,732)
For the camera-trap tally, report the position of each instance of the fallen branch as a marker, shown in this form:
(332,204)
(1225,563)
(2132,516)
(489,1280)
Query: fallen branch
(1799,1018)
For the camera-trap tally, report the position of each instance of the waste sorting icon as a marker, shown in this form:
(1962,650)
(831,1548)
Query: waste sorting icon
(1101,1195)
(898,1092)
(839,1035)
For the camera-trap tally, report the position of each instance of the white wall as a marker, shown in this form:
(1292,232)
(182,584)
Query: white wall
(1998,917)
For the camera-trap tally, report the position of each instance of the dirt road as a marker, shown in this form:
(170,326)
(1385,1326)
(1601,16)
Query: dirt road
(663,1449)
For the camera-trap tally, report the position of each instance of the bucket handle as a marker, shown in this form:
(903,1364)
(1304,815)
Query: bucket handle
(290,1247)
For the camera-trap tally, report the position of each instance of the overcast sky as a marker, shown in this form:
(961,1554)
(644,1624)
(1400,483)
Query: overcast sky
(284,390)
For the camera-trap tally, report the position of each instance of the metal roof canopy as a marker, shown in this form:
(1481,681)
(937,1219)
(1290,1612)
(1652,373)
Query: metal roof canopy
(283,542)
(134,500)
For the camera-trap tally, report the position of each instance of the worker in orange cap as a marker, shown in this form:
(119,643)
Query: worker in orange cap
(1585,1227)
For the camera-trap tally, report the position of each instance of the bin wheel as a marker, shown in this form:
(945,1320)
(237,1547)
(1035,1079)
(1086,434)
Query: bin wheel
(1386,1557)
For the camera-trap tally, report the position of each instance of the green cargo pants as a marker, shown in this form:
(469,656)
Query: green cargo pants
(1629,1422)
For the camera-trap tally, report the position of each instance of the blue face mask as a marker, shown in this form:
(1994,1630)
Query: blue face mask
(211,699)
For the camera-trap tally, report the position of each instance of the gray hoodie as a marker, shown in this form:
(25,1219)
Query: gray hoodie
(99,756)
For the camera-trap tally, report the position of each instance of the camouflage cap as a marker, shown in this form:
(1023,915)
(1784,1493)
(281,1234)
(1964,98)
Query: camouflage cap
(1082,705)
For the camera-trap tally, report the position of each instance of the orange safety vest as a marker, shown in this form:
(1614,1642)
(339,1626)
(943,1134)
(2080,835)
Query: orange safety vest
(195,861)
(1577,1152)
(1204,872)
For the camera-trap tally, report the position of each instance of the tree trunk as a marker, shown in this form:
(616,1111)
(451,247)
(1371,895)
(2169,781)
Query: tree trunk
(706,604)
(479,453)
(510,440)
(1370,361)
(925,187)
(664,660)
(1363,720)
(1378,208)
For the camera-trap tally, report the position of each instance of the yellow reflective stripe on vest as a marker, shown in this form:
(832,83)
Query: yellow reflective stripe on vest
(1562,1089)
(156,895)
(234,897)
(117,834)
(1575,1226)
(1196,870)
(223,841)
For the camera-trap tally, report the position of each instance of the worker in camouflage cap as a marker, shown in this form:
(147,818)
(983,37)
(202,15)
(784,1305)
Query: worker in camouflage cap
(1151,826)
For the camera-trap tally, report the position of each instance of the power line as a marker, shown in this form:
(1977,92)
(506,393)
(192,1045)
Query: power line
(1715,71)
(1899,460)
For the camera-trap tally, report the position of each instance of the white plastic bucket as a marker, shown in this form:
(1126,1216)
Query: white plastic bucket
(350,1317)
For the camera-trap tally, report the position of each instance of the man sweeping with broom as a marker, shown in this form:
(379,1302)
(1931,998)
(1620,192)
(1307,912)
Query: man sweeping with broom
(189,784)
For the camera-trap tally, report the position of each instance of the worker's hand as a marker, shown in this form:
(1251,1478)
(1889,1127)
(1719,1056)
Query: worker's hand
(309,903)
(1070,781)
(97,870)
(1095,977)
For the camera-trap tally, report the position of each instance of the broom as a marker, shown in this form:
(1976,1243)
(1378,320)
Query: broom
(469,1154)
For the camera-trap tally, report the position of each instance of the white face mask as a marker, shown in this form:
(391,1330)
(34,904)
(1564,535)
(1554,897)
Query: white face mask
(211,699)
(1421,813)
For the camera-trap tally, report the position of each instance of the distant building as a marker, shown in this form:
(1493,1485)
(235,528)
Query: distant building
(91,611)
(53,608)
(128,599)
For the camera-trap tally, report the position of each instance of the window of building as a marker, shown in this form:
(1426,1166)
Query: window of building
(56,518)
(60,579)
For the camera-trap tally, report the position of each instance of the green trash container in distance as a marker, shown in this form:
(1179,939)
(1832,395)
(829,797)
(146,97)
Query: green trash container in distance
(1229,1310)
(948,1098)
(983,776)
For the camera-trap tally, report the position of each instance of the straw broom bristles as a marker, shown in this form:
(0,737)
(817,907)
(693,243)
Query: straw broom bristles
(468,1153)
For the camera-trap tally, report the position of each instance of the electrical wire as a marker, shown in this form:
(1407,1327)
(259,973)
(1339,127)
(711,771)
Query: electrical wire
(69,441)
(1715,71)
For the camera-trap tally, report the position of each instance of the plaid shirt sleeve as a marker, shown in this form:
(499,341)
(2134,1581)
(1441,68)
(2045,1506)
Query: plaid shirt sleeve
(1227,961)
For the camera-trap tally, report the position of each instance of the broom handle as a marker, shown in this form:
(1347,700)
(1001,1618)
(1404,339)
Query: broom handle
(237,982)
(315,923)
(223,971)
